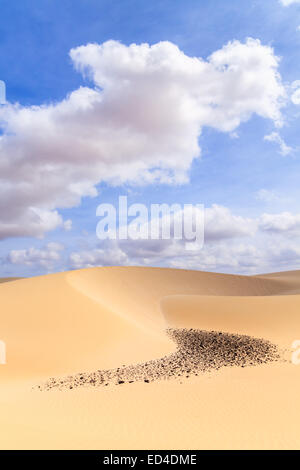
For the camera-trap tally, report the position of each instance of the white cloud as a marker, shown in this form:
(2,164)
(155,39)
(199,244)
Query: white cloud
(140,123)
(284,222)
(253,255)
(213,224)
(287,3)
(256,256)
(284,149)
(232,244)
(234,135)
(32,221)
(268,196)
(236,244)
(221,224)
(110,255)
(295,97)
(68,225)
(46,257)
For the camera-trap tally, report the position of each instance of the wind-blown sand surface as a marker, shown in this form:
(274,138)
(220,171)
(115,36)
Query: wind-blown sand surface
(107,320)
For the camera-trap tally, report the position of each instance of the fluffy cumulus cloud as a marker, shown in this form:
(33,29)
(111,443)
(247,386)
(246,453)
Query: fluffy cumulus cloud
(108,255)
(33,221)
(284,223)
(138,123)
(274,137)
(221,224)
(46,257)
(191,224)
(262,254)
(232,244)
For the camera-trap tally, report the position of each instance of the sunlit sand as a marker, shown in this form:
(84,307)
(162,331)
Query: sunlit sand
(120,329)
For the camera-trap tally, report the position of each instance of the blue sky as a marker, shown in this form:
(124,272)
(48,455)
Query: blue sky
(251,172)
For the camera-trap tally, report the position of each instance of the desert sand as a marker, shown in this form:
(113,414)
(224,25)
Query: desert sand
(83,321)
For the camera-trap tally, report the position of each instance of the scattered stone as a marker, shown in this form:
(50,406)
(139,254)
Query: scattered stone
(197,352)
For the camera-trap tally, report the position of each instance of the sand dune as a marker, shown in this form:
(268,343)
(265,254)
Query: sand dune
(104,318)
(8,279)
(269,317)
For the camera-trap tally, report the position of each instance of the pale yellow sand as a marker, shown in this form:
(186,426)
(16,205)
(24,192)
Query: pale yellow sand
(85,320)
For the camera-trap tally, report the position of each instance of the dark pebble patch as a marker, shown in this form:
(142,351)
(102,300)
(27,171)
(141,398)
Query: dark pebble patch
(197,352)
